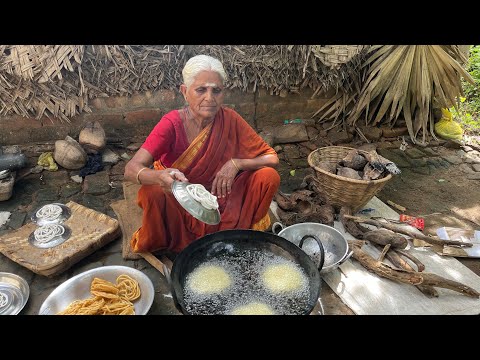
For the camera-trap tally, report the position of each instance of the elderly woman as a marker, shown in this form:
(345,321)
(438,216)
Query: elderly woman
(203,143)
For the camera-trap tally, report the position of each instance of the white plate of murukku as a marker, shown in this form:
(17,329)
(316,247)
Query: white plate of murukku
(107,290)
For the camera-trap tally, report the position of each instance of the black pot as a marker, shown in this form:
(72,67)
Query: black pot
(220,244)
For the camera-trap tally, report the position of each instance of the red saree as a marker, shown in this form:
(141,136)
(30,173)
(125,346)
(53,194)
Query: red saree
(167,226)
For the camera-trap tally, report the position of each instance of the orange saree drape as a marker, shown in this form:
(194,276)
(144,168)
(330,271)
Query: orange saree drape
(167,226)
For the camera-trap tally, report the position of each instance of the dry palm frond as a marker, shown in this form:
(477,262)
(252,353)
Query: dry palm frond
(408,79)
(341,104)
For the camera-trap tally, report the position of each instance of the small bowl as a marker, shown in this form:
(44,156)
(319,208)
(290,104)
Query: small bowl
(334,243)
(14,293)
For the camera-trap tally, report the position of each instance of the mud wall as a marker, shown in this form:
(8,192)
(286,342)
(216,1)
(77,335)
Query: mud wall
(126,118)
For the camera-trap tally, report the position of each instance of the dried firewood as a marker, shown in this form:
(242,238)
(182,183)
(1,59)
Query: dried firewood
(438,281)
(418,263)
(402,230)
(398,262)
(396,206)
(384,251)
(405,276)
(350,226)
(384,237)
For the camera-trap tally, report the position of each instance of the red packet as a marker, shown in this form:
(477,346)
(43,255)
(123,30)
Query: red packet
(417,222)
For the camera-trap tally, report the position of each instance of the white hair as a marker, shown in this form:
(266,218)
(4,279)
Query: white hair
(200,63)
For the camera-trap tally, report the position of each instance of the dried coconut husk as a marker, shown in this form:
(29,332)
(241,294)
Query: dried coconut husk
(327,166)
(284,201)
(324,214)
(354,160)
(287,218)
(370,173)
(302,195)
(92,138)
(304,207)
(69,154)
(348,173)
(313,184)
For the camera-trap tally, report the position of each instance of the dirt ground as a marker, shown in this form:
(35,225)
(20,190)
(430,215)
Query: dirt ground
(444,198)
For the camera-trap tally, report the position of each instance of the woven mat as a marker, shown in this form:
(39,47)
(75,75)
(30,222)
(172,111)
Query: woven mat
(129,215)
(91,230)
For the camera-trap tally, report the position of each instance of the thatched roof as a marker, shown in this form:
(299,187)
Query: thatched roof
(59,80)
(374,84)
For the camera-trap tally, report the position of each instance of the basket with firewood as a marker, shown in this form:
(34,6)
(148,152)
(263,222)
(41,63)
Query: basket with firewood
(350,177)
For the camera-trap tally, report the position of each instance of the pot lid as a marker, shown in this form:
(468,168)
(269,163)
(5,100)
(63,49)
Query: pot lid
(194,207)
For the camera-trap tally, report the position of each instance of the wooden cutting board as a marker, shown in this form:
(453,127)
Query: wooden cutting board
(90,230)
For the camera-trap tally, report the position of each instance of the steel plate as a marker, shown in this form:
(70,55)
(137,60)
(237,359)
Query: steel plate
(66,213)
(78,288)
(57,240)
(194,208)
(14,293)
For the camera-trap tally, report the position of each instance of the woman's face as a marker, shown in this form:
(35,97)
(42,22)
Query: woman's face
(205,95)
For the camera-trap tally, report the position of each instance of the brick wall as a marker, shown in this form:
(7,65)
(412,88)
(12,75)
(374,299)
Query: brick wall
(129,117)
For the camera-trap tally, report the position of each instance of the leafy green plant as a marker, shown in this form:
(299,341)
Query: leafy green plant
(468,107)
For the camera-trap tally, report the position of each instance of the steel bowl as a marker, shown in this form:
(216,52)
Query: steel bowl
(334,243)
(78,288)
(14,293)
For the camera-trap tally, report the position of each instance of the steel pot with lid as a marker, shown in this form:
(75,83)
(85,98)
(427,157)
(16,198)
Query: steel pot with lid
(335,246)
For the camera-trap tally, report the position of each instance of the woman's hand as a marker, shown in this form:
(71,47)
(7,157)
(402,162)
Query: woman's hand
(222,184)
(168,176)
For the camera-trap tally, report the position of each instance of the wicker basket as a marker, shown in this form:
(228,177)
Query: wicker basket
(341,191)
